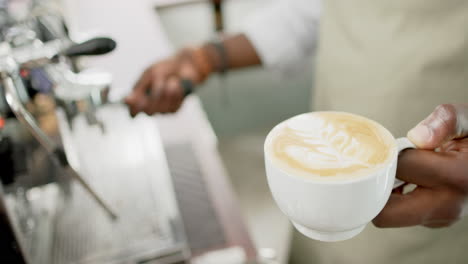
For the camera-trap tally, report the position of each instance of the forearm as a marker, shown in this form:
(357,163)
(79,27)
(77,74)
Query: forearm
(236,52)
(160,87)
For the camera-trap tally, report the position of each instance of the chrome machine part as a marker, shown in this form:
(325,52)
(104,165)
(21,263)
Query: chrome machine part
(80,93)
(8,73)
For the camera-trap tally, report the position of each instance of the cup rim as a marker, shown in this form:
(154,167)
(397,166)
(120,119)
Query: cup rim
(334,180)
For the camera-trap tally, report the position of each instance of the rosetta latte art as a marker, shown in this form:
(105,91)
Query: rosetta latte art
(330,143)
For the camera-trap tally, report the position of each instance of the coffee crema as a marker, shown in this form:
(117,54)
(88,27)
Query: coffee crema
(329,144)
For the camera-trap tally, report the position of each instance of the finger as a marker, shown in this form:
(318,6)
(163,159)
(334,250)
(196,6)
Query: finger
(424,168)
(447,122)
(136,104)
(140,86)
(156,102)
(174,94)
(460,145)
(137,99)
(156,92)
(440,222)
(152,80)
(429,207)
(407,210)
(399,190)
(155,76)
(163,101)
(434,169)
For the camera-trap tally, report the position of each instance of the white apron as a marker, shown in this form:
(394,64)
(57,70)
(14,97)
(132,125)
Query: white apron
(393,61)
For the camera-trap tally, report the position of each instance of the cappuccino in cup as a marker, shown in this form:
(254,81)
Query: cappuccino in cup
(331,173)
(329,145)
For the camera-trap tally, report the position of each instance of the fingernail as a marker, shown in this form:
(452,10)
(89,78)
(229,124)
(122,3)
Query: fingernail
(420,135)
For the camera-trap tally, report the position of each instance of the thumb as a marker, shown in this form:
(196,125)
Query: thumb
(447,122)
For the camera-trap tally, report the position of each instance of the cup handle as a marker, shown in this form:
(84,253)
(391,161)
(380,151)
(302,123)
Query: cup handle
(403,143)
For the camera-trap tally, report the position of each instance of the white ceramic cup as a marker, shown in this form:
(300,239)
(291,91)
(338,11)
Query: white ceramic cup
(334,210)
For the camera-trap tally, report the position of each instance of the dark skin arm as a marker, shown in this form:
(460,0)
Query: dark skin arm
(159,91)
(441,176)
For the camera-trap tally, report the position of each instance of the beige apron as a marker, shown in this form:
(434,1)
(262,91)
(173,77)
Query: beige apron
(393,61)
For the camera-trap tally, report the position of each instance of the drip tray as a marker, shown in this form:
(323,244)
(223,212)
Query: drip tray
(159,193)
(202,227)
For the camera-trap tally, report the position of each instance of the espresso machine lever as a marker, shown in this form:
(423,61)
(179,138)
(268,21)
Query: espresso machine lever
(94,46)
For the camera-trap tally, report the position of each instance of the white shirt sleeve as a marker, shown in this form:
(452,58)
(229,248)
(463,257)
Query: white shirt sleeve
(285,33)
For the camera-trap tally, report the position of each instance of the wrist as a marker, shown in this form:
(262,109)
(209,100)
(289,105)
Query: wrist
(217,55)
(201,61)
(207,59)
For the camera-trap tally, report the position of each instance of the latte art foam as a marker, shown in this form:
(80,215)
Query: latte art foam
(330,144)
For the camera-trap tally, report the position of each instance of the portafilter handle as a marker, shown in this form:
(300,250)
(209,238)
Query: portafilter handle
(39,54)
(94,46)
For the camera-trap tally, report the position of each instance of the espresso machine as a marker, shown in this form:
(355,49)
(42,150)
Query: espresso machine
(55,206)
